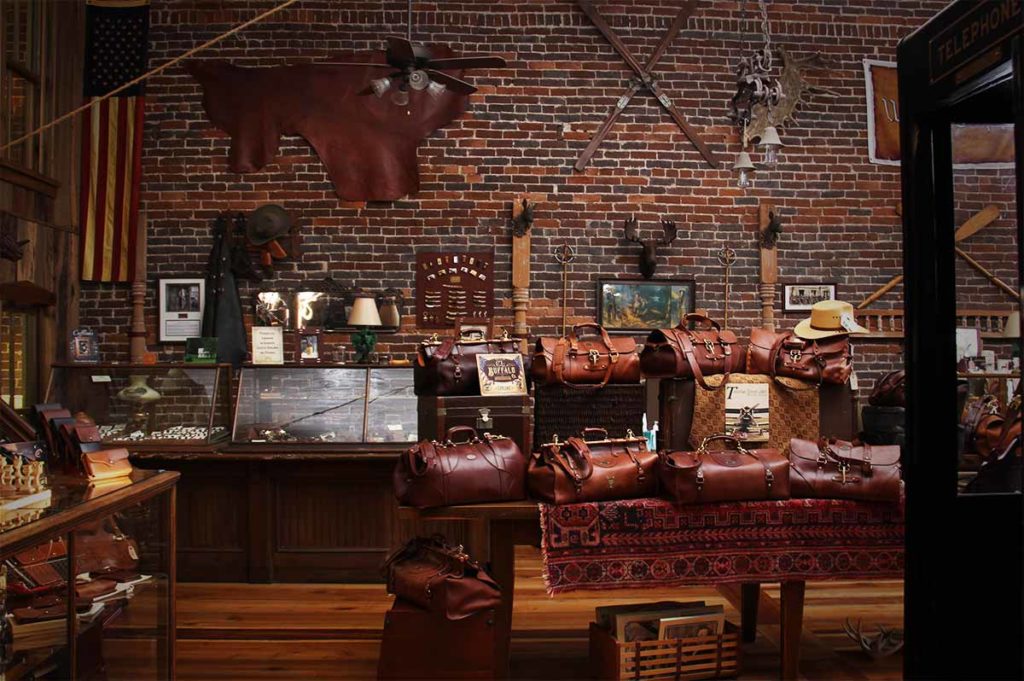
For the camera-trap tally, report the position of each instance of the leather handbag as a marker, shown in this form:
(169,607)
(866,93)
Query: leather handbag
(685,353)
(833,469)
(580,469)
(982,425)
(106,464)
(441,578)
(447,367)
(735,474)
(581,361)
(826,360)
(101,547)
(890,390)
(474,470)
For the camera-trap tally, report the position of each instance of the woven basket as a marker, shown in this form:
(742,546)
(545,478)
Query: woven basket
(563,411)
(709,657)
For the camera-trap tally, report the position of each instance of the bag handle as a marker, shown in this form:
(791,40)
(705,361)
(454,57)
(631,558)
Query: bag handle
(696,317)
(413,461)
(574,333)
(769,477)
(461,429)
(736,442)
(587,431)
(773,360)
(574,457)
(559,355)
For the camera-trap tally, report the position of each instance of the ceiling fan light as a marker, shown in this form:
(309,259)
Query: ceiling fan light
(380,85)
(419,80)
(436,89)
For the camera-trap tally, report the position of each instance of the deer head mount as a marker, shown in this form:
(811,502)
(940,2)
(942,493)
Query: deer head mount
(649,254)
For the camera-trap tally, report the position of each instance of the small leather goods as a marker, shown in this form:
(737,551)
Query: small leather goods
(581,470)
(474,470)
(734,474)
(106,464)
(447,367)
(834,469)
(685,353)
(825,360)
(890,390)
(586,360)
(441,578)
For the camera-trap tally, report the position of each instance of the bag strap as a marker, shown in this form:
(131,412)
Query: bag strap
(685,337)
(773,360)
(696,317)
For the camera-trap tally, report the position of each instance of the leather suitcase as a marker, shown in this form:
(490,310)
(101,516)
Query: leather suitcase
(417,644)
(675,413)
(564,411)
(511,416)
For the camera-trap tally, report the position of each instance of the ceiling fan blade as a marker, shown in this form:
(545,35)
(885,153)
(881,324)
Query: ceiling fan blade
(345,63)
(451,82)
(481,62)
(400,50)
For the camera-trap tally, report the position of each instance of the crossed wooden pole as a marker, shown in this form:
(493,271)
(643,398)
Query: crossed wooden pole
(644,80)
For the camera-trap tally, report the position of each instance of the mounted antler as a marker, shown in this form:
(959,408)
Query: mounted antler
(888,641)
(649,254)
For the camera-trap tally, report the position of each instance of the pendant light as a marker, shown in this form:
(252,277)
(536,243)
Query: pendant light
(771,144)
(744,169)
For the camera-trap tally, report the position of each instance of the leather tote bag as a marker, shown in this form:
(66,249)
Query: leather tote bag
(833,469)
(447,368)
(586,360)
(826,360)
(732,474)
(685,353)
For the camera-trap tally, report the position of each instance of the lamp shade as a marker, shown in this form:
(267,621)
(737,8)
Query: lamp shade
(1012,327)
(364,312)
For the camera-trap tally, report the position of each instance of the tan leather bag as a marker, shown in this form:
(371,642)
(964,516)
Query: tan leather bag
(106,464)
(827,360)
(833,469)
(586,361)
(601,469)
(736,474)
(685,353)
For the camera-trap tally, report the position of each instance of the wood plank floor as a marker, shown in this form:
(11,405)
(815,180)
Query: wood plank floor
(318,631)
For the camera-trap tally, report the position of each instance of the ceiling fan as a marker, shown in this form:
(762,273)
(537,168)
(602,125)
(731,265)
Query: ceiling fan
(414,68)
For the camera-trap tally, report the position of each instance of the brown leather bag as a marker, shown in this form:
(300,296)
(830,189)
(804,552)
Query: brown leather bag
(602,469)
(448,367)
(101,547)
(685,353)
(833,469)
(586,361)
(736,474)
(982,423)
(890,390)
(826,360)
(472,471)
(440,578)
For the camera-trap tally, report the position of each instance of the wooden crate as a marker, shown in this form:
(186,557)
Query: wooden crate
(686,659)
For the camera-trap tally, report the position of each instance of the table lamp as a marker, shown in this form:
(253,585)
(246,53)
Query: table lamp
(364,314)
(1012,327)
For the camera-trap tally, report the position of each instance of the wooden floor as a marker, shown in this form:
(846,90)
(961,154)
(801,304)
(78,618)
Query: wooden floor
(293,631)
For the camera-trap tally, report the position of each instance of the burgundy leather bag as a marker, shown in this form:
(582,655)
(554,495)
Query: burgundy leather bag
(581,361)
(581,469)
(890,390)
(440,578)
(447,367)
(468,472)
(833,469)
(736,474)
(685,353)
(827,360)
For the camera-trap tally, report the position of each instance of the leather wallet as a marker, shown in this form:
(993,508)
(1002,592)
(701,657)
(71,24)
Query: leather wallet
(106,464)
(42,552)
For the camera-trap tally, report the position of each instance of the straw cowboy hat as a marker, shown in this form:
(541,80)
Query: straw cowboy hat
(829,318)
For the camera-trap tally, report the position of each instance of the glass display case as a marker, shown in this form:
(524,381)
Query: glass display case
(158,406)
(316,404)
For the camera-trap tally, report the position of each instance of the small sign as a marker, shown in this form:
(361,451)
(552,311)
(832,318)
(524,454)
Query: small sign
(267,345)
(100,378)
(84,347)
(746,411)
(501,374)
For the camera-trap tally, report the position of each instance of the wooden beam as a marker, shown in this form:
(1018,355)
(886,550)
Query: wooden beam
(769,270)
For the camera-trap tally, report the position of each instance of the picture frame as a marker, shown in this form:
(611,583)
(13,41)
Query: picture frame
(271,309)
(181,303)
(309,349)
(801,296)
(309,309)
(635,306)
(83,346)
(693,626)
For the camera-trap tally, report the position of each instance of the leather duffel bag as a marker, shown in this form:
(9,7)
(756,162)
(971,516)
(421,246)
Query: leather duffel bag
(440,578)
(826,360)
(447,367)
(586,361)
(736,474)
(833,469)
(580,469)
(685,353)
(982,425)
(890,391)
(468,472)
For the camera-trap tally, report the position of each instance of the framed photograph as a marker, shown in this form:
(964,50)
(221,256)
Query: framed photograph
(309,309)
(84,346)
(696,626)
(802,297)
(181,309)
(272,309)
(309,346)
(632,306)
(968,344)
(201,351)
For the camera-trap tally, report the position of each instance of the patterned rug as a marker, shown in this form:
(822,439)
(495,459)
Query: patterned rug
(652,543)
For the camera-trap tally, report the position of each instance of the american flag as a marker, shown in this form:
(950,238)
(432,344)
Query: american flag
(116,41)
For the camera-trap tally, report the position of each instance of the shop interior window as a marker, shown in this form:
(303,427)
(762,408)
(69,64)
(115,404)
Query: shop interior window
(17,359)
(27,86)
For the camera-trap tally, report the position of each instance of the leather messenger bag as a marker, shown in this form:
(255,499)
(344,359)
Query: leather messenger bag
(833,469)
(736,474)
(471,471)
(447,367)
(685,353)
(826,360)
(586,361)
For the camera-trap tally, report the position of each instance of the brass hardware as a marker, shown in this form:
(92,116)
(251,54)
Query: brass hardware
(611,481)
(795,355)
(593,356)
(700,480)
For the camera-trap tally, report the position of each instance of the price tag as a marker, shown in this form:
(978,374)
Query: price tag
(853,381)
(395,427)
(100,378)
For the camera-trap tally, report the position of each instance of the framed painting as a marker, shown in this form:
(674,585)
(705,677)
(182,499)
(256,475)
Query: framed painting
(632,306)
(802,297)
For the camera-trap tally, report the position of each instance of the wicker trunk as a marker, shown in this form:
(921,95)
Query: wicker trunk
(565,411)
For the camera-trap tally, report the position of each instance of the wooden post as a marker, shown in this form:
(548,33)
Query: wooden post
(769,271)
(137,334)
(520,277)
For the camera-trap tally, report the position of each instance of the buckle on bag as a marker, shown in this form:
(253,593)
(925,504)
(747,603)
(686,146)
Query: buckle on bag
(700,480)
(594,356)
(710,347)
(795,355)
(769,477)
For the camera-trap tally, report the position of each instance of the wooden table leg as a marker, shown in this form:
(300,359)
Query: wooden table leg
(750,598)
(792,619)
(503,569)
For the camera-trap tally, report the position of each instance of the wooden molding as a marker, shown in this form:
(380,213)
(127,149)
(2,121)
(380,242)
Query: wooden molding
(28,179)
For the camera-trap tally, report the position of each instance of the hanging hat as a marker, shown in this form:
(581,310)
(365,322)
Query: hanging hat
(829,318)
(266,224)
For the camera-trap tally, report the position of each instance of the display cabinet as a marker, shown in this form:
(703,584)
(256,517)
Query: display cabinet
(87,582)
(304,405)
(169,407)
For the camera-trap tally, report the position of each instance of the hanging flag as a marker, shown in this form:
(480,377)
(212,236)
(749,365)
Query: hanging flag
(117,35)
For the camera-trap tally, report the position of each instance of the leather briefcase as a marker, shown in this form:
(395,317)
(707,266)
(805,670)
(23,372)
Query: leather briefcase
(685,353)
(736,474)
(448,367)
(833,469)
(441,578)
(446,473)
(106,464)
(586,361)
(826,360)
(581,470)
(890,390)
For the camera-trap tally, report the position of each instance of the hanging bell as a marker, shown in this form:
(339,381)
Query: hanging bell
(772,144)
(744,168)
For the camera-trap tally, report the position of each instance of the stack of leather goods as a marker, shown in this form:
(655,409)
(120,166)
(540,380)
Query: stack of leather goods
(76,448)
(586,360)
(442,624)
(447,367)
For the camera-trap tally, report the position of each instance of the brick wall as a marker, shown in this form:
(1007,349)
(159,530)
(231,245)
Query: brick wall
(522,133)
